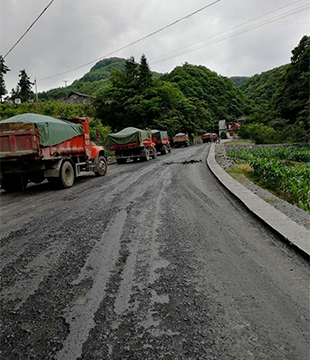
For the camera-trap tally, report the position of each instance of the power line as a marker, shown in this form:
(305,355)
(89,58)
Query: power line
(225,37)
(237,18)
(28,29)
(136,41)
(234,27)
(230,35)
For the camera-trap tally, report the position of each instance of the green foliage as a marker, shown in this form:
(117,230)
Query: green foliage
(216,93)
(261,88)
(290,153)
(273,169)
(238,80)
(92,83)
(3,70)
(223,135)
(259,133)
(24,86)
(135,98)
(103,131)
(50,108)
(291,100)
(282,96)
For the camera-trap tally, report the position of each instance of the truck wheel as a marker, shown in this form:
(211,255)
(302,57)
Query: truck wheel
(164,151)
(14,183)
(66,175)
(154,153)
(121,161)
(101,169)
(147,155)
(169,149)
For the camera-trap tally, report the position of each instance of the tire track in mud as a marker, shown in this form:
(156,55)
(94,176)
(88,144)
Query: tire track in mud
(82,235)
(21,256)
(98,266)
(129,292)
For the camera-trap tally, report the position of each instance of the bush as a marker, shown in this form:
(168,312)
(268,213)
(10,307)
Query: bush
(223,135)
(259,133)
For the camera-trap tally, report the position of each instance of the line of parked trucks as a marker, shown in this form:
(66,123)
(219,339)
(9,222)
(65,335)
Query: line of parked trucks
(35,147)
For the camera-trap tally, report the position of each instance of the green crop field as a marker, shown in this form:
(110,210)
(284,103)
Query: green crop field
(284,170)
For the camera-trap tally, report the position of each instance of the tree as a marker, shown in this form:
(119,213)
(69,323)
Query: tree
(131,73)
(144,74)
(25,86)
(15,93)
(292,97)
(3,70)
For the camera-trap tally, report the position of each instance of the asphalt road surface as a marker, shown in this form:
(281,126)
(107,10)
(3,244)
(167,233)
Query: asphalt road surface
(153,261)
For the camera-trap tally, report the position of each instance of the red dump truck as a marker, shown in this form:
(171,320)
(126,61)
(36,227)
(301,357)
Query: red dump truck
(36,147)
(132,143)
(214,137)
(161,141)
(206,138)
(181,139)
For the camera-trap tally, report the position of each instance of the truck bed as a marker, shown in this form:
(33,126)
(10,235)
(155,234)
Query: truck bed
(18,139)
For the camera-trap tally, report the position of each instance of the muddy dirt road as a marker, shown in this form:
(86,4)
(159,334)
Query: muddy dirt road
(153,261)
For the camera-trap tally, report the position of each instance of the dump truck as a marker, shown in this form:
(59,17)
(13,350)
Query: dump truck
(181,139)
(161,141)
(206,137)
(132,143)
(214,137)
(35,147)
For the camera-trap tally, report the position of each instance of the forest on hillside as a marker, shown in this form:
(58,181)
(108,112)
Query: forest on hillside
(281,101)
(189,99)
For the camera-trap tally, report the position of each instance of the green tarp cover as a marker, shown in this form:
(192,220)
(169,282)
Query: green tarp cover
(52,131)
(160,134)
(128,136)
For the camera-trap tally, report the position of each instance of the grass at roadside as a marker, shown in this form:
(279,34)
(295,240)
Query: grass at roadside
(240,142)
(283,171)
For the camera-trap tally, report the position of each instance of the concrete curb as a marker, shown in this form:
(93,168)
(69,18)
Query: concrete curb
(296,235)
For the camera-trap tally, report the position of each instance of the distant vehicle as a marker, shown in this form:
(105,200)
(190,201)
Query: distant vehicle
(161,141)
(36,147)
(132,143)
(206,137)
(214,137)
(181,139)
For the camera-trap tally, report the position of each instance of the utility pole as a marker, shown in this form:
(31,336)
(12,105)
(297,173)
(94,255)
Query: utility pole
(35,83)
(65,81)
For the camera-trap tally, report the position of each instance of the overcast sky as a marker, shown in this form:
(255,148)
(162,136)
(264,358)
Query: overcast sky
(74,32)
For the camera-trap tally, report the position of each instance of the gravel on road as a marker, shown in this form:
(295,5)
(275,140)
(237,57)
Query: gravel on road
(154,261)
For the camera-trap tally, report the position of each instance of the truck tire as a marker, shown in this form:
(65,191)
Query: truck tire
(101,169)
(154,153)
(169,149)
(13,183)
(147,155)
(66,176)
(164,150)
(121,161)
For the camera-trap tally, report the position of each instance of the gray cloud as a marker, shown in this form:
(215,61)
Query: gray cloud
(74,32)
